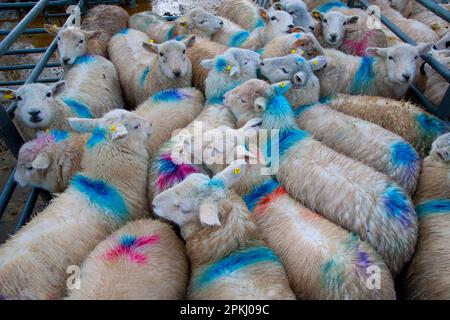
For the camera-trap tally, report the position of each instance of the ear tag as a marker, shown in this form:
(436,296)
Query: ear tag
(283,84)
(228,68)
(315,62)
(237,171)
(316,14)
(8,96)
(182,19)
(113,128)
(151,41)
(293,51)
(264,15)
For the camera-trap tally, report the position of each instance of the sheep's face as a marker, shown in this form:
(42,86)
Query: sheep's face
(333,26)
(247,60)
(198,197)
(36,104)
(277,22)
(299,12)
(173,60)
(201,20)
(398,5)
(440,149)
(304,44)
(400,61)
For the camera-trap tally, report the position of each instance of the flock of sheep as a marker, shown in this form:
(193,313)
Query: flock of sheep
(361,196)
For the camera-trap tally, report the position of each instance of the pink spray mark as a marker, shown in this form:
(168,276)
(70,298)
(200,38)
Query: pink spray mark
(128,246)
(172,173)
(359,47)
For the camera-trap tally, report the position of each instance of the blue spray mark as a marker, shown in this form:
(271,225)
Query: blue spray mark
(123,31)
(235,262)
(221,64)
(431,125)
(331,274)
(216,183)
(60,135)
(97,136)
(404,155)
(433,208)
(397,205)
(259,24)
(170,95)
(169,34)
(78,108)
(102,194)
(263,189)
(215,100)
(363,77)
(330,5)
(86,59)
(238,38)
(144,75)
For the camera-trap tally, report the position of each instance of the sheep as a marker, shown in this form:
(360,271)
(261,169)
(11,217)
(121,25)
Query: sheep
(50,160)
(195,21)
(428,274)
(146,68)
(276,22)
(242,12)
(404,118)
(342,31)
(202,49)
(169,110)
(343,190)
(227,71)
(299,12)
(142,260)
(90,88)
(414,10)
(385,72)
(313,250)
(435,85)
(109,191)
(444,43)
(304,44)
(374,146)
(92,38)
(415,29)
(228,258)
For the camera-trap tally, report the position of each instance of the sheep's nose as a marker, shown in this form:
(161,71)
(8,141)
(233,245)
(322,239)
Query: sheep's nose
(221,22)
(177,72)
(406,76)
(333,36)
(290,26)
(262,64)
(34,114)
(66,60)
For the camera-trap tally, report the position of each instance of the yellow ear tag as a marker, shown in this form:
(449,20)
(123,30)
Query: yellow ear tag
(228,68)
(315,62)
(283,84)
(293,51)
(8,96)
(182,19)
(152,41)
(237,171)
(113,128)
(264,15)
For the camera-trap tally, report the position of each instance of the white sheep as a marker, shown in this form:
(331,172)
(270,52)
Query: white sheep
(276,22)
(369,143)
(228,258)
(146,68)
(92,37)
(299,12)
(243,12)
(105,195)
(90,88)
(343,190)
(385,72)
(142,260)
(299,42)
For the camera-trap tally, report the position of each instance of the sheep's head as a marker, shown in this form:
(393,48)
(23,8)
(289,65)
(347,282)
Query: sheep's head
(444,43)
(400,60)
(333,26)
(299,12)
(398,5)
(198,21)
(72,42)
(173,60)
(292,67)
(198,198)
(36,104)
(440,149)
(117,125)
(277,22)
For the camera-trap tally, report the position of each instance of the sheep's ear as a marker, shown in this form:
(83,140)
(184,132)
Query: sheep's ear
(232,173)
(91,34)
(207,64)
(150,47)
(243,154)
(277,6)
(317,15)
(118,131)
(318,63)
(443,154)
(379,52)
(235,72)
(297,29)
(189,41)
(42,161)
(83,124)
(351,19)
(74,11)
(58,87)
(209,213)
(252,124)
(424,48)
(281,87)
(260,104)
(302,41)
(264,15)
(183,8)
(8,94)
(52,29)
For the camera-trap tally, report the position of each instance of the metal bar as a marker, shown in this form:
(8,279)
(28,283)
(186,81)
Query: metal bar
(424,101)
(26,31)
(9,133)
(20,82)
(26,66)
(444,107)
(20,27)
(28,209)
(23,5)
(25,51)
(436,9)
(8,190)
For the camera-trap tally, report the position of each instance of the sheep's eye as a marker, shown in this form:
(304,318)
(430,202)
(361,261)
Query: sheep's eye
(273,18)
(81,41)
(242,100)
(184,51)
(137,126)
(203,21)
(29,167)
(19,98)
(325,20)
(59,38)
(161,54)
(415,57)
(284,70)
(49,94)
(73,21)
(344,23)
(391,58)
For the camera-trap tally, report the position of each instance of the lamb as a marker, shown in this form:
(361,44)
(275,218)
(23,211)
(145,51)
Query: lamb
(195,21)
(415,29)
(92,38)
(343,190)
(404,118)
(50,161)
(276,22)
(90,88)
(313,250)
(304,44)
(374,146)
(435,85)
(142,260)
(428,275)
(228,258)
(414,10)
(105,195)
(146,68)
(385,72)
(342,31)
(242,12)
